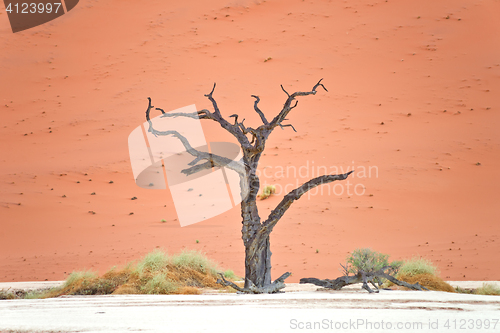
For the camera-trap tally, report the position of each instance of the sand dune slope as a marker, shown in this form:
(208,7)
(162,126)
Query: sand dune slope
(412,105)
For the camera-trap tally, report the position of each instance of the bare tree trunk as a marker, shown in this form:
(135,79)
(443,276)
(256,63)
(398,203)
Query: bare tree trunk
(258,265)
(257,250)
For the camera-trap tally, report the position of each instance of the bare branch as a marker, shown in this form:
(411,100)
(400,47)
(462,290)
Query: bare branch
(227,283)
(214,103)
(289,125)
(205,114)
(287,106)
(284,90)
(319,84)
(287,201)
(345,269)
(256,107)
(213,159)
(149,108)
(242,127)
(197,168)
(235,116)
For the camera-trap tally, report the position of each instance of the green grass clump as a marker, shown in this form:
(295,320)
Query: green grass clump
(416,266)
(159,284)
(77,277)
(487,289)
(229,274)
(153,262)
(195,260)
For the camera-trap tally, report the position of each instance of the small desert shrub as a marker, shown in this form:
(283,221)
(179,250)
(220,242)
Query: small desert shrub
(487,289)
(366,260)
(267,191)
(159,284)
(416,266)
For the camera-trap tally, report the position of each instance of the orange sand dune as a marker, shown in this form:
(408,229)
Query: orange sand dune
(412,105)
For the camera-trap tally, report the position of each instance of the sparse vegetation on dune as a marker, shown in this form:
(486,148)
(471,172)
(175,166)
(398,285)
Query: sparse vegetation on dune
(157,273)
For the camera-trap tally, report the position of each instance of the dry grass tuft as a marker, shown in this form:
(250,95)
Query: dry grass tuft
(431,282)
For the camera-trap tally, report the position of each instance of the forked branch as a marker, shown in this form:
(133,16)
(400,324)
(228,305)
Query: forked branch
(287,107)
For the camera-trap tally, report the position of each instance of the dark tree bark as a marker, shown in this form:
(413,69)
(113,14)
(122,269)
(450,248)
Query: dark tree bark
(362,277)
(255,234)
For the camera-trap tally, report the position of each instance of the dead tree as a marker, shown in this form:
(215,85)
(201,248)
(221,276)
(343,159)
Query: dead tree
(255,233)
(372,277)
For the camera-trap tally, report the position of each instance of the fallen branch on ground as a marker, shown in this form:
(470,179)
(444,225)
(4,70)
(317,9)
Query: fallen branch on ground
(362,277)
